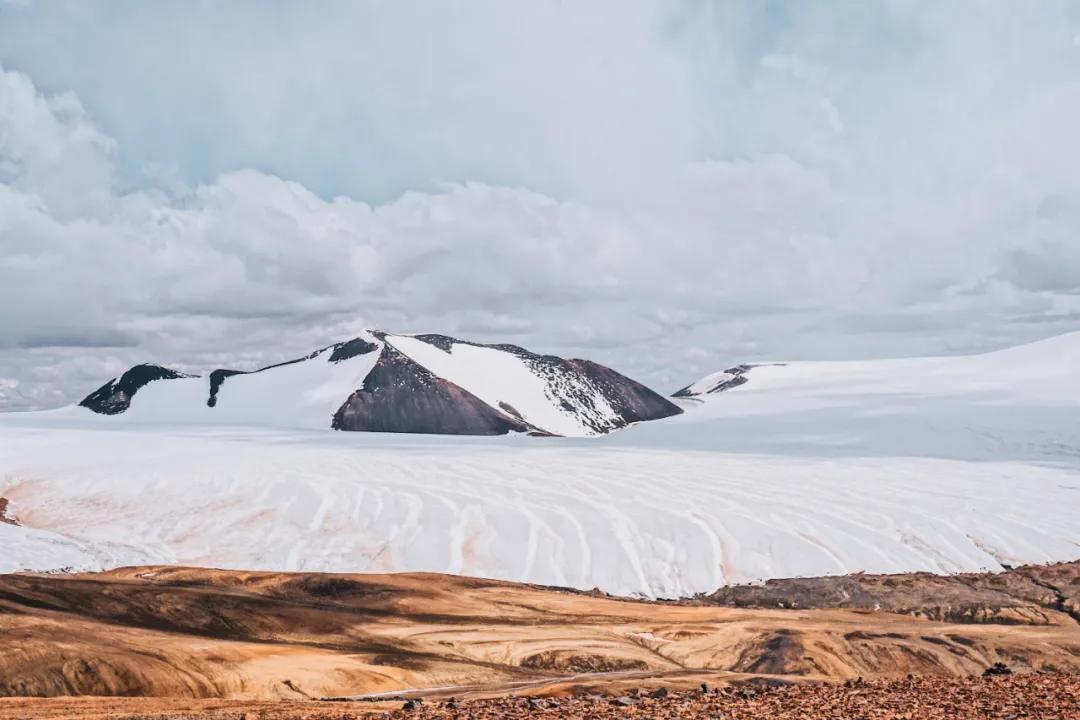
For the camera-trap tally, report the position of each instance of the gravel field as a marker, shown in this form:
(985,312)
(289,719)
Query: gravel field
(1011,697)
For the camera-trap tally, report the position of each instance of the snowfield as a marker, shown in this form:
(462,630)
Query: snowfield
(940,464)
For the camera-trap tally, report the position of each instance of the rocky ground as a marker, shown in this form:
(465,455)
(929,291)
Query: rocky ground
(1004,698)
(1008,697)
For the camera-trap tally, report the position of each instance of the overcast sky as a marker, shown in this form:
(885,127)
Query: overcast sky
(667,188)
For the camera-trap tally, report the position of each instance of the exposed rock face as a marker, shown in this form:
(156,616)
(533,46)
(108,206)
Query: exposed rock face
(351,348)
(633,401)
(1029,595)
(400,396)
(217,377)
(443,342)
(115,396)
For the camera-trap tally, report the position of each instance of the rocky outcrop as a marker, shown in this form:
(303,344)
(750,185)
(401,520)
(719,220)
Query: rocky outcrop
(400,396)
(631,400)
(1028,595)
(725,380)
(114,397)
(350,349)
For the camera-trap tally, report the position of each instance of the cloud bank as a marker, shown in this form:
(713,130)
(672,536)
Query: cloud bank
(664,188)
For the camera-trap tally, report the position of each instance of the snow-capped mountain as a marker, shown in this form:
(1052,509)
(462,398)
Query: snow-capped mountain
(394,383)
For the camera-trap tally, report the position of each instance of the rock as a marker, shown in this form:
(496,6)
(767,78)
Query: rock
(659,693)
(998,668)
(623,701)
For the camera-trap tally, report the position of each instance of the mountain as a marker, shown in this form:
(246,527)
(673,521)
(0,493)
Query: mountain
(383,382)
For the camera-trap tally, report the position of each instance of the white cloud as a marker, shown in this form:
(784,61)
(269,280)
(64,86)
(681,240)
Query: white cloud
(665,194)
(49,149)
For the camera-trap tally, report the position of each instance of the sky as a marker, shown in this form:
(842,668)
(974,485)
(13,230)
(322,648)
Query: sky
(668,188)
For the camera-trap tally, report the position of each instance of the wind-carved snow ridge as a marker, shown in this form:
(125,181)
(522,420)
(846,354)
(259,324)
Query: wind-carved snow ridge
(629,520)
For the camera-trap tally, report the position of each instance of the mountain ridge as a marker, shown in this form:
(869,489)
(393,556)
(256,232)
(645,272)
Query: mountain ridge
(385,382)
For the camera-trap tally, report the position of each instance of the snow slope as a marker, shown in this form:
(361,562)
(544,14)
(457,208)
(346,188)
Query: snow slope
(302,394)
(1022,403)
(940,464)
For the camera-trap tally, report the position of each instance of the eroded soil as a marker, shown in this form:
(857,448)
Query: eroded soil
(198,633)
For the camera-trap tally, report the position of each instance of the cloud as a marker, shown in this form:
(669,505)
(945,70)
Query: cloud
(372,101)
(666,188)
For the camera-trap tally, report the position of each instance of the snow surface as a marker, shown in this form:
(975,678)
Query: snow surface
(1022,403)
(940,464)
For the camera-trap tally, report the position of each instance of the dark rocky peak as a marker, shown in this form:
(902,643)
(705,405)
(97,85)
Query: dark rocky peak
(115,396)
(401,396)
(350,349)
(632,401)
